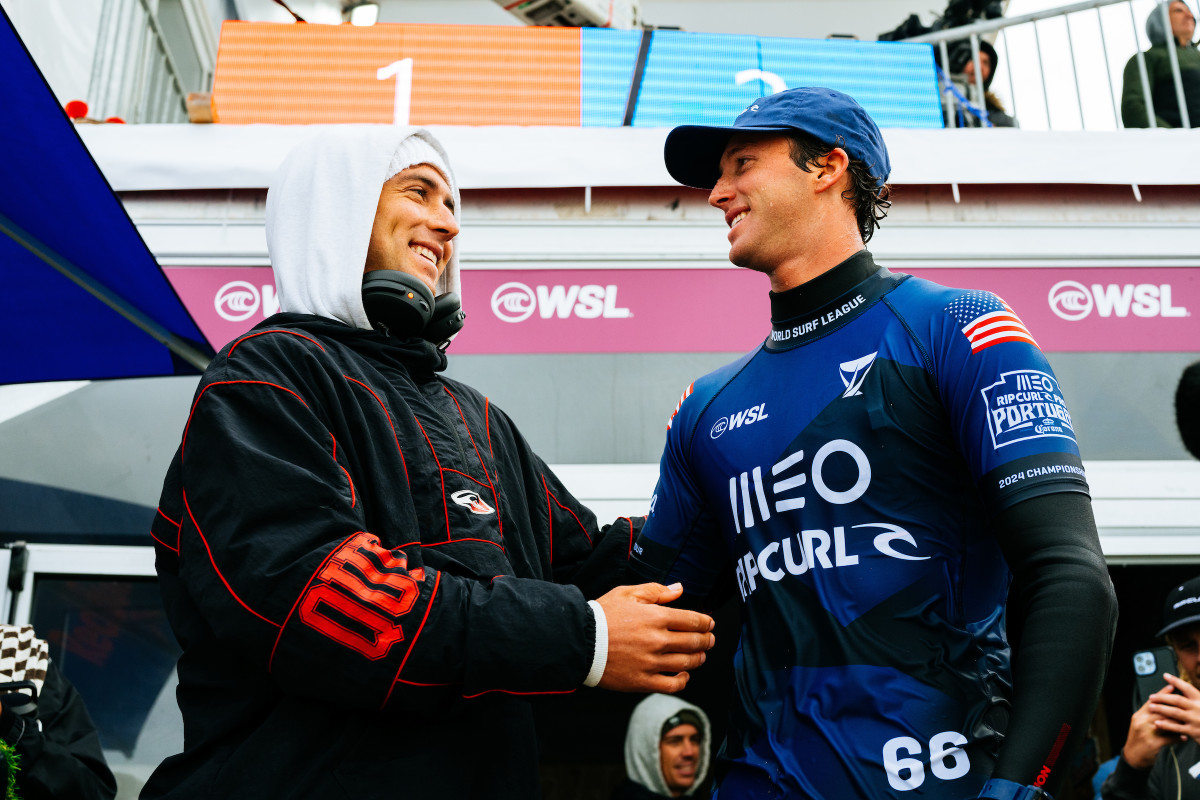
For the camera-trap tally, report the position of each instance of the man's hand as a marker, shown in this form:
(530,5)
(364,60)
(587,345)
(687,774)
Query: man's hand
(651,647)
(1178,709)
(1145,739)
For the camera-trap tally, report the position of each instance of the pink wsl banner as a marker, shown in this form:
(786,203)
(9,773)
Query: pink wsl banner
(1105,309)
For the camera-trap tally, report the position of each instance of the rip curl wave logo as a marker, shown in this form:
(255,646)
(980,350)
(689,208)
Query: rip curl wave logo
(1070,300)
(236,301)
(471,501)
(513,302)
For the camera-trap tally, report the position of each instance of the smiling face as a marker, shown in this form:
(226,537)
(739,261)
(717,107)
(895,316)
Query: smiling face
(679,752)
(765,198)
(414,225)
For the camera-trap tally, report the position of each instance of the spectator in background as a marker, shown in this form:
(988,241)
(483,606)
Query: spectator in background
(1161,757)
(964,86)
(1137,772)
(50,746)
(666,749)
(1158,72)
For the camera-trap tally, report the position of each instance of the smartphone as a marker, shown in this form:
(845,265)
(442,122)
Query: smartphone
(1148,668)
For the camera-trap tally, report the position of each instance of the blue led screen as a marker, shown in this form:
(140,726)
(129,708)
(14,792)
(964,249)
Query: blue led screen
(693,78)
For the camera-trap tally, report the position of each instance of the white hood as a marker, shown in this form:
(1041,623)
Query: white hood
(320,209)
(643,762)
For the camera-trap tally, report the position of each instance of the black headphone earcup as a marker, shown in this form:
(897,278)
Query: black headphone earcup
(448,319)
(396,301)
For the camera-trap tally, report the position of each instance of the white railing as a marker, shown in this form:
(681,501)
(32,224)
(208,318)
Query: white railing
(133,74)
(1063,67)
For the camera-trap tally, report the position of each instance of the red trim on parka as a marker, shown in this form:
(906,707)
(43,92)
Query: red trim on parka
(386,413)
(217,569)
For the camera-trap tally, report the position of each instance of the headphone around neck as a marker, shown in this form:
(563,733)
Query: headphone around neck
(401,305)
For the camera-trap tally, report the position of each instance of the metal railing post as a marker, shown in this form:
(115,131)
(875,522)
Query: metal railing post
(1012,92)
(1112,95)
(101,66)
(947,99)
(160,46)
(1075,72)
(1173,57)
(979,79)
(1151,117)
(1037,49)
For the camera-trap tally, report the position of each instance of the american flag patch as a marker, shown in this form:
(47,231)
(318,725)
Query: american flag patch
(987,320)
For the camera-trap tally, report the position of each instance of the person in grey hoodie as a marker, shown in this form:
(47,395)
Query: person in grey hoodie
(667,749)
(1134,113)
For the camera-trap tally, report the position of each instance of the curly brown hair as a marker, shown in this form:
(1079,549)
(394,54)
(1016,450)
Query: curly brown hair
(870,203)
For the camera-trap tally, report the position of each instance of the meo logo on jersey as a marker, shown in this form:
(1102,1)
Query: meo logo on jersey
(1026,404)
(786,490)
(472,502)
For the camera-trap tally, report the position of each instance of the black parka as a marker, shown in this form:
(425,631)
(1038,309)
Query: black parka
(363,562)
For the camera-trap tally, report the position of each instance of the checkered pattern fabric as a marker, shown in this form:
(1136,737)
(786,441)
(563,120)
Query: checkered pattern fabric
(23,656)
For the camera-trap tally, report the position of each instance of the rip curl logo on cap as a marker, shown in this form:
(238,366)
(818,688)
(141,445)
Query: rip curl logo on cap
(472,502)
(236,301)
(513,302)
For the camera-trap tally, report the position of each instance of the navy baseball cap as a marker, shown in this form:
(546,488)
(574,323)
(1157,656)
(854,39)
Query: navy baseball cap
(1182,606)
(693,152)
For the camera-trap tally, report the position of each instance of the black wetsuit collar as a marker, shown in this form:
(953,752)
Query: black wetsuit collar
(823,304)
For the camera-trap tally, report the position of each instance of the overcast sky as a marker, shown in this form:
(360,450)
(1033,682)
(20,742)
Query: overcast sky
(1020,63)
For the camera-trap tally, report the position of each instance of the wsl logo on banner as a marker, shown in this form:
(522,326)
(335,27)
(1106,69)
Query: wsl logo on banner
(1026,404)
(515,302)
(238,300)
(1073,301)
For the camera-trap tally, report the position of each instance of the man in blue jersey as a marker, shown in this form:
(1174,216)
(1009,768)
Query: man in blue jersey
(872,478)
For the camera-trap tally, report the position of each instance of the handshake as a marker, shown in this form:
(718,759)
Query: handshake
(652,647)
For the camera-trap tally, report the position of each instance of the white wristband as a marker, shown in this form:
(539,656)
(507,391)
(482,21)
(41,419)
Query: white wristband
(600,657)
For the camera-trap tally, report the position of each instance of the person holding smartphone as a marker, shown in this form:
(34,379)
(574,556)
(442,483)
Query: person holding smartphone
(1161,757)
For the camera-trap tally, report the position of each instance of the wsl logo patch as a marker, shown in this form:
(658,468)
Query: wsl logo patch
(748,417)
(472,502)
(853,373)
(1026,404)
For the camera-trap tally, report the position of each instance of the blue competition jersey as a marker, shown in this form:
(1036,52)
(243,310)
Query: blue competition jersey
(844,475)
